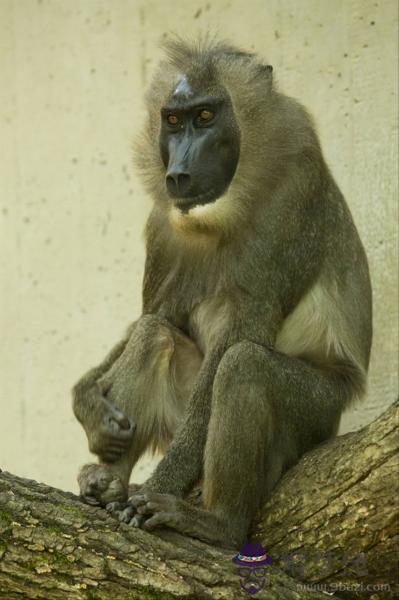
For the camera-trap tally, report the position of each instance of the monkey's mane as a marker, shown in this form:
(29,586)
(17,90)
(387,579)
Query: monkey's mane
(204,54)
(273,128)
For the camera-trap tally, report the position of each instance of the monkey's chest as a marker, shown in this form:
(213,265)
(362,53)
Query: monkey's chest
(208,320)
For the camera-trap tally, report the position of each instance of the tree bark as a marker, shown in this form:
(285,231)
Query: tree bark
(334,517)
(331,521)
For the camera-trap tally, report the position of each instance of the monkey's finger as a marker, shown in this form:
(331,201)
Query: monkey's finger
(137,500)
(109,457)
(117,446)
(127,434)
(91,500)
(120,417)
(137,521)
(158,519)
(104,385)
(134,488)
(114,445)
(113,430)
(148,508)
(123,422)
(111,426)
(115,507)
(127,514)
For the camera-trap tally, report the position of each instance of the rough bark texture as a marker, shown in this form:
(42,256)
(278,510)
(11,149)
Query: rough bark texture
(333,519)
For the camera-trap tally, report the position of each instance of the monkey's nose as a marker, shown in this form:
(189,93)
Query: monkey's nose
(178,183)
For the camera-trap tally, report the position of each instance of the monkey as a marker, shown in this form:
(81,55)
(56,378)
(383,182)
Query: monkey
(256,326)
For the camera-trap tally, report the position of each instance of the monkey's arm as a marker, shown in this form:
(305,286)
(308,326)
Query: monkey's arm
(108,430)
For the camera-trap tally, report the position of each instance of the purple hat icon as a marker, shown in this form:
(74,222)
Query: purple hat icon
(252,555)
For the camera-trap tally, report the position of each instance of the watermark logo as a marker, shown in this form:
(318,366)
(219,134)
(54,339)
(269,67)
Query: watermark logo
(319,564)
(251,562)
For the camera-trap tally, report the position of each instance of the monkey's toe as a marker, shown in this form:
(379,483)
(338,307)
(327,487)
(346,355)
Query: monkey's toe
(153,502)
(90,500)
(131,518)
(137,521)
(127,514)
(115,508)
(130,514)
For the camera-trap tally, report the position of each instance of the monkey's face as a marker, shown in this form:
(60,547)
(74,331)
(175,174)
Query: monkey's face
(199,145)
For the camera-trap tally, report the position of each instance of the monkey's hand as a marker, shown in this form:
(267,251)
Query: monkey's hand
(109,432)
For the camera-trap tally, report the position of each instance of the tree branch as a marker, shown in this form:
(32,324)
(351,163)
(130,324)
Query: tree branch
(340,501)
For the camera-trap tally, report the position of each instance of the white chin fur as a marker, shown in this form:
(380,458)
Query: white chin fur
(214,215)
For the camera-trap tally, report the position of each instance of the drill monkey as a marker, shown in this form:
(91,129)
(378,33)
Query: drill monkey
(256,326)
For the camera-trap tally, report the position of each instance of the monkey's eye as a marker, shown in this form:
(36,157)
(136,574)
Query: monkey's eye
(205,115)
(172,120)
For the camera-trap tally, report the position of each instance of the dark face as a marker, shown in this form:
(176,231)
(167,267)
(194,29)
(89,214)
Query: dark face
(199,144)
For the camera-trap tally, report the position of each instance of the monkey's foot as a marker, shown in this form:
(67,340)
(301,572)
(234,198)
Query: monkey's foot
(99,485)
(116,507)
(128,513)
(149,510)
(161,509)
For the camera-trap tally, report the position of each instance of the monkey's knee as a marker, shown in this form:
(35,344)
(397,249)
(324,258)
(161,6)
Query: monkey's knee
(152,343)
(150,324)
(144,361)
(243,365)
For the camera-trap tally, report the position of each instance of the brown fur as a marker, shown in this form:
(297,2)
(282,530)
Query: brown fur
(256,325)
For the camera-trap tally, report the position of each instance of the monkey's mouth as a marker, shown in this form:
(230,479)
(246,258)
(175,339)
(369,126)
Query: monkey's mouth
(186,204)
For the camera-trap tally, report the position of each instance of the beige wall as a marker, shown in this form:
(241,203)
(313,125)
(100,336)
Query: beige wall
(72,75)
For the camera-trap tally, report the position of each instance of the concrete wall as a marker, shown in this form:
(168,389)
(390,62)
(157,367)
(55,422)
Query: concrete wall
(72,76)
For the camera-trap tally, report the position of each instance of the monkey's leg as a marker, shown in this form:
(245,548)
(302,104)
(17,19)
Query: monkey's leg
(267,410)
(149,383)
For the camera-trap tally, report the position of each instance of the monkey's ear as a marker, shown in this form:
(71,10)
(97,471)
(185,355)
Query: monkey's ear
(266,70)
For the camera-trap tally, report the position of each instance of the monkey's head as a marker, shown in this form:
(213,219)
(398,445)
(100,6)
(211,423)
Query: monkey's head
(201,153)
(199,143)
